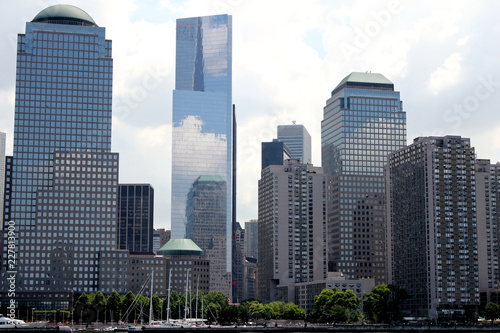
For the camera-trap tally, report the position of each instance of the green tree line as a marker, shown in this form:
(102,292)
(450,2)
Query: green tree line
(214,307)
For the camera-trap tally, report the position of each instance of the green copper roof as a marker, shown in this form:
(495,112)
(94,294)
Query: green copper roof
(64,14)
(181,247)
(364,81)
(210,179)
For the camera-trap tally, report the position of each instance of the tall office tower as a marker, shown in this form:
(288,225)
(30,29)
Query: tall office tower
(64,180)
(363,122)
(135,217)
(2,171)
(252,239)
(432,234)
(292,229)
(275,153)
(203,127)
(488,231)
(298,140)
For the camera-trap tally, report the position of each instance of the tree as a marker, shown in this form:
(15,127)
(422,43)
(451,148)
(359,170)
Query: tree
(98,306)
(382,304)
(214,302)
(113,306)
(491,311)
(128,313)
(174,305)
(156,307)
(335,305)
(82,308)
(292,311)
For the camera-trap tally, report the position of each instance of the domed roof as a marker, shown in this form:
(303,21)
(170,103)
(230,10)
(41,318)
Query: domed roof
(181,247)
(64,14)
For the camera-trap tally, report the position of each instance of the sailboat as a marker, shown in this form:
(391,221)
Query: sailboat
(167,324)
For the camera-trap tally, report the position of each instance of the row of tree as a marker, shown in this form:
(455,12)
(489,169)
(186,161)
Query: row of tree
(213,306)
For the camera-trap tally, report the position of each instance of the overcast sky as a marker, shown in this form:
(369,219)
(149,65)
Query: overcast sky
(443,56)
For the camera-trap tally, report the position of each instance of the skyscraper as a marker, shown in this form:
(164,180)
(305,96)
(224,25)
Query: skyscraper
(292,229)
(63,188)
(203,123)
(488,231)
(298,140)
(135,217)
(275,153)
(2,171)
(432,239)
(363,122)
(252,239)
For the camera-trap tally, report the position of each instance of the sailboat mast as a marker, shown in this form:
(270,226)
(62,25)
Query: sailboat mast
(197,289)
(151,299)
(168,302)
(187,286)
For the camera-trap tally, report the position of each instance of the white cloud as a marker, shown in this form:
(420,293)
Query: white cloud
(278,74)
(447,75)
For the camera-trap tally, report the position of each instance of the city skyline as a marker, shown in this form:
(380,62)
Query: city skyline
(453,90)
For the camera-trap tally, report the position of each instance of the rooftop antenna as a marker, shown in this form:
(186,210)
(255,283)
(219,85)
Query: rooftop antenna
(293,122)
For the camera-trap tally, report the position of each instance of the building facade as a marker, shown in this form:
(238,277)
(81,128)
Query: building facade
(488,231)
(252,239)
(135,217)
(306,292)
(432,239)
(292,228)
(160,238)
(64,178)
(186,262)
(298,141)
(238,264)
(363,122)
(203,125)
(275,153)
(2,171)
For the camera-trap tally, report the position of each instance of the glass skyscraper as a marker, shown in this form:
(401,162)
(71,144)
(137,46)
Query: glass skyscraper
(64,179)
(203,124)
(363,122)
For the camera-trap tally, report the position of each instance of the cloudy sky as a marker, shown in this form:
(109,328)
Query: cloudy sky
(443,56)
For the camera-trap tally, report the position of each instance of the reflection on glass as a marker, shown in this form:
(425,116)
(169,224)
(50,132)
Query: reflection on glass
(202,127)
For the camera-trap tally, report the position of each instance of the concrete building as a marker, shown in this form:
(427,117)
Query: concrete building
(306,292)
(140,267)
(488,231)
(292,228)
(298,141)
(185,260)
(363,122)
(252,239)
(135,217)
(432,243)
(203,132)
(160,238)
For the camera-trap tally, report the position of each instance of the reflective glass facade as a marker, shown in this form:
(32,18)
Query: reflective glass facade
(135,217)
(363,122)
(64,179)
(202,124)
